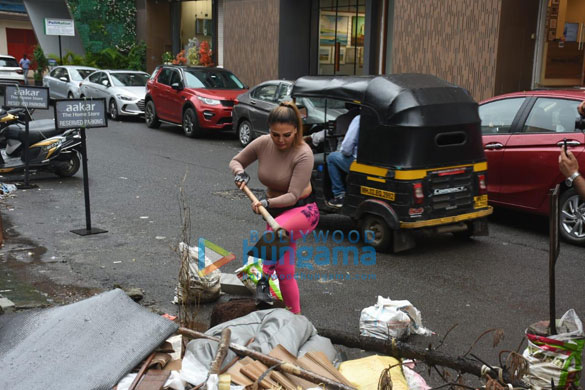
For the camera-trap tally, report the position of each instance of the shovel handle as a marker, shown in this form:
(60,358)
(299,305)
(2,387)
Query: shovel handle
(265,214)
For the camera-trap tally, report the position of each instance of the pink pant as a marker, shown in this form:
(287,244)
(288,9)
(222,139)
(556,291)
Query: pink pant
(300,219)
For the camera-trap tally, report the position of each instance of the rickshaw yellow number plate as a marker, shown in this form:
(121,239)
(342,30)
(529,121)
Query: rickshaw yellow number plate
(377,193)
(480,202)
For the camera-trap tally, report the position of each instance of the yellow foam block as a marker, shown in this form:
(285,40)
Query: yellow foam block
(364,373)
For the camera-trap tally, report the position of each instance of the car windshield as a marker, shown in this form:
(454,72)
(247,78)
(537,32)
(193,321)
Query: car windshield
(211,79)
(80,74)
(129,79)
(8,62)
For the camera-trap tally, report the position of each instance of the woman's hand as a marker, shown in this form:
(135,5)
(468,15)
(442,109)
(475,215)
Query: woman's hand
(241,179)
(256,205)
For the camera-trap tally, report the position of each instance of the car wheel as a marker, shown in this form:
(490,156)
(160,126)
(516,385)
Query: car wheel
(70,95)
(382,234)
(150,115)
(245,133)
(190,126)
(572,217)
(114,110)
(69,167)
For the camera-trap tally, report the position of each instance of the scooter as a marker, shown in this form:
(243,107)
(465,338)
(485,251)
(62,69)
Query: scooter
(50,149)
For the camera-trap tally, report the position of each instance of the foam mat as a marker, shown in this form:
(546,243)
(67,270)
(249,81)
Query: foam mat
(90,344)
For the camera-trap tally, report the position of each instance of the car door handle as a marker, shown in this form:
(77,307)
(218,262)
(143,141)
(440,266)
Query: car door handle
(252,101)
(494,145)
(569,143)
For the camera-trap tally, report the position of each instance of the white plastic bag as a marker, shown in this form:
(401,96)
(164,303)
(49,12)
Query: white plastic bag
(202,288)
(556,357)
(388,318)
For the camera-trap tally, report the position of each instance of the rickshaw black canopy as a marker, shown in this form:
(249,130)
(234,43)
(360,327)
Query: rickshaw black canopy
(408,99)
(408,120)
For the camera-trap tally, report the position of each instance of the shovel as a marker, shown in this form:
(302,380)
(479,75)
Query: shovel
(270,244)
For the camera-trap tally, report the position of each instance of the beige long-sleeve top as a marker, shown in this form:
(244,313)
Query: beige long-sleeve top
(283,171)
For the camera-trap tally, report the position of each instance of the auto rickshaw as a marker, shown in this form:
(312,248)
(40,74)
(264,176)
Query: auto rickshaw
(420,162)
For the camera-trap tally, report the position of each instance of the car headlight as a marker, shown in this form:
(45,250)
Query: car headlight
(124,97)
(211,102)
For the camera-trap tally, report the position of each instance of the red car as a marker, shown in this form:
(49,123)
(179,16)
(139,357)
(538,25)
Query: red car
(522,135)
(196,98)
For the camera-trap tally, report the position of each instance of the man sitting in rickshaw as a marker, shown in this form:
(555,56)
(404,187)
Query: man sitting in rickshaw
(338,162)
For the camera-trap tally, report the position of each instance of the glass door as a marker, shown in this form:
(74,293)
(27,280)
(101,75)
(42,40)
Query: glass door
(341,37)
(564,44)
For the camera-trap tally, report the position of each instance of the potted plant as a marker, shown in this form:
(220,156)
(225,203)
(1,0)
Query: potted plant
(167,58)
(42,63)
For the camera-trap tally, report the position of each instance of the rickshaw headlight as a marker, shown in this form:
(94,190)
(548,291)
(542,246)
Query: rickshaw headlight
(419,196)
(482,184)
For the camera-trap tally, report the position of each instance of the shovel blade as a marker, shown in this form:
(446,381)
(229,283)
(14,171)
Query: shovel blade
(271,246)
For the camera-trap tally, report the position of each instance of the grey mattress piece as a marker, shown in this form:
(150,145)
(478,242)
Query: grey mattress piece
(269,328)
(90,344)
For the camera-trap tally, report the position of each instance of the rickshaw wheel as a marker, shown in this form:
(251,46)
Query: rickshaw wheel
(382,233)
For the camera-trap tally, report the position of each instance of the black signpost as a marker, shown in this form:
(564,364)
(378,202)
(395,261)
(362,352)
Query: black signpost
(553,254)
(82,114)
(16,96)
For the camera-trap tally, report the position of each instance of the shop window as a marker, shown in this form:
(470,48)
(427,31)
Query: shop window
(197,32)
(341,37)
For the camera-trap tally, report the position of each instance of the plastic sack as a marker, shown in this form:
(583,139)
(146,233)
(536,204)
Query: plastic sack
(250,273)
(202,288)
(556,357)
(388,318)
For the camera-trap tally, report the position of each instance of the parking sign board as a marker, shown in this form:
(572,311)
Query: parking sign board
(80,113)
(27,97)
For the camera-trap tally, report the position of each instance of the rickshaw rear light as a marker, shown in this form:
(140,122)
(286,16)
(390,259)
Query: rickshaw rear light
(419,196)
(482,184)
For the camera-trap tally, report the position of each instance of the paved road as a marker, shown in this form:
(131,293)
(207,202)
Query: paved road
(135,175)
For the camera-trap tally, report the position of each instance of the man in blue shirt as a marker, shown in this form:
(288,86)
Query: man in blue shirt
(25,65)
(339,162)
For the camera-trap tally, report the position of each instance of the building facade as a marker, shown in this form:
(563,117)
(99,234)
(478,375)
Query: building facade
(489,47)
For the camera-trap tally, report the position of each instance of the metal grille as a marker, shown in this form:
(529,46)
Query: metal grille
(227,103)
(140,104)
(451,191)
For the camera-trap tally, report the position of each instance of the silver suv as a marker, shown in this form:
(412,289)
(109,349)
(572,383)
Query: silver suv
(10,71)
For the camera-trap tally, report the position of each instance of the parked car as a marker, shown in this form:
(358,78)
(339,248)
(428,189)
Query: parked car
(10,71)
(124,90)
(197,98)
(250,115)
(63,81)
(522,135)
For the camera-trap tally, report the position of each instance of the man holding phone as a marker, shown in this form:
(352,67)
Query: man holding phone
(569,166)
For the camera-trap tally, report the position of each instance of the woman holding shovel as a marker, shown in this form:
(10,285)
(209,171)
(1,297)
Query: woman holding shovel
(285,163)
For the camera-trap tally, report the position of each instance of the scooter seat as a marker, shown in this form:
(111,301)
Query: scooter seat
(38,130)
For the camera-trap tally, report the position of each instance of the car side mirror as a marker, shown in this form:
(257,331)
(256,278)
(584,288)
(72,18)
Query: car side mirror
(177,86)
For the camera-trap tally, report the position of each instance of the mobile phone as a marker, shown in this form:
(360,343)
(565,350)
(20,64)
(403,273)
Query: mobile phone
(565,145)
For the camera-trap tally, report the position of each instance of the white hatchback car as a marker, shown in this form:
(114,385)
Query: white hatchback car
(10,72)
(63,81)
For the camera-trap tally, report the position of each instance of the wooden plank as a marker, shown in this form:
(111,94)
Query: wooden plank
(322,359)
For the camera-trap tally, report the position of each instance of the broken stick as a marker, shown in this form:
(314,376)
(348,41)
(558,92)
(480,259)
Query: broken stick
(222,350)
(270,361)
